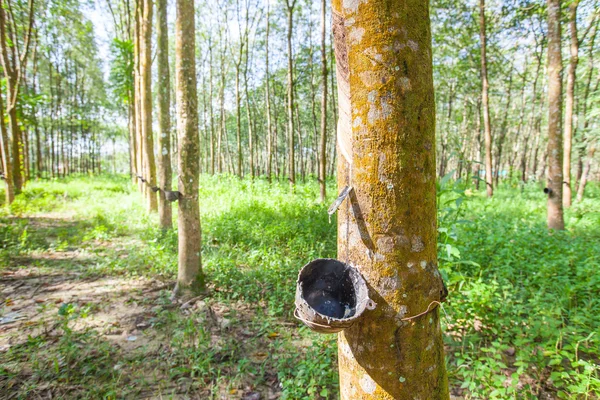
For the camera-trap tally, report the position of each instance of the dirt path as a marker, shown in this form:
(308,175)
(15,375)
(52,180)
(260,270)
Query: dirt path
(68,330)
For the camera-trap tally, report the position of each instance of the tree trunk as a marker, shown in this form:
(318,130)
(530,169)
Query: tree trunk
(487,128)
(238,119)
(586,172)
(569,103)
(290,95)
(132,137)
(268,103)
(249,118)
(189,276)
(141,170)
(387,226)
(164,118)
(146,103)
(323,142)
(211,110)
(6,161)
(555,150)
(503,129)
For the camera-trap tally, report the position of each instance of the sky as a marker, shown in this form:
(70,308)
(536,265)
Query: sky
(102,21)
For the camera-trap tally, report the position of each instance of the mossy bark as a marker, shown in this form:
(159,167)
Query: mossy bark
(190,272)
(164,118)
(555,143)
(387,227)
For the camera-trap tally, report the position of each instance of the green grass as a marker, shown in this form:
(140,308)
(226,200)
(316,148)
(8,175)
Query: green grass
(523,316)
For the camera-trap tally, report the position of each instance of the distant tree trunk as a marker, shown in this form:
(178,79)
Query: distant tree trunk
(591,145)
(238,118)
(146,102)
(333,147)
(503,128)
(268,103)
(570,101)
(249,118)
(6,161)
(477,146)
(164,118)
(132,137)
(290,94)
(586,172)
(387,225)
(189,276)
(555,150)
(210,108)
(323,143)
(487,128)
(223,123)
(141,170)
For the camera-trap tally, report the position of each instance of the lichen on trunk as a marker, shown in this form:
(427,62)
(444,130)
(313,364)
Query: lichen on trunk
(189,272)
(387,227)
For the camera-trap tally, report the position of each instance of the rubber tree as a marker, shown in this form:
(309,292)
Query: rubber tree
(13,56)
(387,226)
(146,101)
(290,4)
(164,119)
(555,142)
(485,102)
(570,103)
(189,276)
(323,140)
(6,162)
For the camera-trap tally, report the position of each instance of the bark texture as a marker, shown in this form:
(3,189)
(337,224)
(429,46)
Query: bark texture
(555,143)
(387,227)
(164,119)
(189,274)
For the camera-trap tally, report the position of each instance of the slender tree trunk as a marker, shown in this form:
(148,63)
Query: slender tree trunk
(569,103)
(290,95)
(132,137)
(190,263)
(588,87)
(586,172)
(210,108)
(249,118)
(503,128)
(141,170)
(146,103)
(6,161)
(238,119)
(164,118)
(487,128)
(477,149)
(223,123)
(555,150)
(268,102)
(387,226)
(323,141)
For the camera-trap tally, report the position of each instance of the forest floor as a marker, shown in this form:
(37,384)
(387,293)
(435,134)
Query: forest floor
(86,308)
